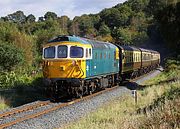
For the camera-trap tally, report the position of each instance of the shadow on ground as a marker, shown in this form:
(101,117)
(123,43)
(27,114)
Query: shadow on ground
(23,94)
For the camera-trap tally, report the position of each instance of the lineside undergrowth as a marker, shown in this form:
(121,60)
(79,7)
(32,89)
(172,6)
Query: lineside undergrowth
(157,106)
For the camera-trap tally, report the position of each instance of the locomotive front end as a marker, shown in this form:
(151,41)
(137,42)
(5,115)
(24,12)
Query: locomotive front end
(64,67)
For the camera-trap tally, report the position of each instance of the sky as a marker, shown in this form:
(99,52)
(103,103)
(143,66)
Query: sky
(71,8)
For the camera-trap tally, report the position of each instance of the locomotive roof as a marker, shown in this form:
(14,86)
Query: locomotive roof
(100,44)
(67,38)
(95,44)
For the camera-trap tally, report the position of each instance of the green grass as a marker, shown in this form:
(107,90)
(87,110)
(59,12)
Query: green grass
(157,107)
(20,87)
(3,104)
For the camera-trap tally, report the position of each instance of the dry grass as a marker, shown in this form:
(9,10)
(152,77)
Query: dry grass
(122,113)
(165,117)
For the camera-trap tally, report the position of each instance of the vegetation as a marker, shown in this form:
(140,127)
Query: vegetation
(157,107)
(133,22)
(3,104)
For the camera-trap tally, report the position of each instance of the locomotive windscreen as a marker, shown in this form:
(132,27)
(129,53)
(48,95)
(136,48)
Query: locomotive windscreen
(76,52)
(49,52)
(62,51)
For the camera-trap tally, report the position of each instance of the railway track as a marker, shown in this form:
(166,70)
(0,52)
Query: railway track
(33,107)
(50,109)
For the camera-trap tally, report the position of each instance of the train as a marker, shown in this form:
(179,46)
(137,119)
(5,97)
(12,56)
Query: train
(76,66)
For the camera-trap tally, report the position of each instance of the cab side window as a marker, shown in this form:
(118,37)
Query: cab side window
(86,53)
(90,54)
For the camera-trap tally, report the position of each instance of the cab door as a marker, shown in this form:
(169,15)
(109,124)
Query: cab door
(88,54)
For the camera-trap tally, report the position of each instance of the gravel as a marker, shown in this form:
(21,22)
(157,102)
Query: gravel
(28,112)
(153,74)
(66,115)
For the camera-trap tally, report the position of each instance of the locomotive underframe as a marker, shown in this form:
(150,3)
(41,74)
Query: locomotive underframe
(79,87)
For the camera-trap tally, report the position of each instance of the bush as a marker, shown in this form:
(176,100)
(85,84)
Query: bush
(20,77)
(10,56)
(172,64)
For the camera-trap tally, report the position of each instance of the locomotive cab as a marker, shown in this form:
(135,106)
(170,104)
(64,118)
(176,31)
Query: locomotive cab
(64,65)
(65,61)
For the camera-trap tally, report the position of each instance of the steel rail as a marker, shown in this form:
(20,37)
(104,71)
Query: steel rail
(25,108)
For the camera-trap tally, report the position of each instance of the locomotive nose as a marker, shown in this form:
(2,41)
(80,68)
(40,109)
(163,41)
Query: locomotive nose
(64,69)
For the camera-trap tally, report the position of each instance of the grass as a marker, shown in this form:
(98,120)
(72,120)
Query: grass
(3,104)
(157,107)
(18,88)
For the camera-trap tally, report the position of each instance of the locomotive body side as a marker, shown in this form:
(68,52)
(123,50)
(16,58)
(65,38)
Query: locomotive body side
(105,59)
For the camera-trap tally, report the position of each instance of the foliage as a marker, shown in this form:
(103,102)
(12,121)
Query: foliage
(50,16)
(104,29)
(172,64)
(17,17)
(125,23)
(3,104)
(10,56)
(30,18)
(105,38)
(19,77)
(169,21)
(64,22)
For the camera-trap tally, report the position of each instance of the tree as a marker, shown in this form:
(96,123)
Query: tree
(64,22)
(156,5)
(86,26)
(50,15)
(10,56)
(104,29)
(137,5)
(17,17)
(168,20)
(10,33)
(124,35)
(30,18)
(116,17)
(41,19)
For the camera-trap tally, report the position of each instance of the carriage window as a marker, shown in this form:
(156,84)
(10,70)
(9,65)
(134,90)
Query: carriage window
(49,52)
(62,52)
(76,52)
(101,56)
